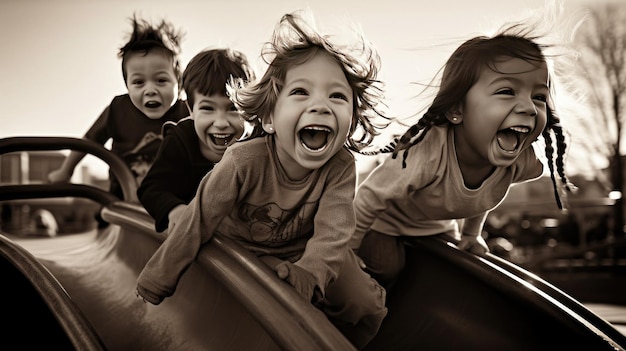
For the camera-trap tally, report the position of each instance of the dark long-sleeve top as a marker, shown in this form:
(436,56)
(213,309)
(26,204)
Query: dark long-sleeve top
(135,137)
(175,174)
(249,198)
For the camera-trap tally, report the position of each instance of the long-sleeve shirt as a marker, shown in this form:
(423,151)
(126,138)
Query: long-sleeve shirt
(249,198)
(175,174)
(135,137)
(429,195)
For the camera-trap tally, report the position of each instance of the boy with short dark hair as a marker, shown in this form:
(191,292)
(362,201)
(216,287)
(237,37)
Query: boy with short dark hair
(195,144)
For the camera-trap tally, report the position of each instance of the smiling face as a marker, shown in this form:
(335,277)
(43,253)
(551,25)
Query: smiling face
(503,113)
(312,116)
(217,123)
(151,82)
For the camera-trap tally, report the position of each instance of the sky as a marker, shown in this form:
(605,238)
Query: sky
(60,67)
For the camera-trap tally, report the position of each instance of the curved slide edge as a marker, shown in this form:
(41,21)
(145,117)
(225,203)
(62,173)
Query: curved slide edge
(37,312)
(448,299)
(293,323)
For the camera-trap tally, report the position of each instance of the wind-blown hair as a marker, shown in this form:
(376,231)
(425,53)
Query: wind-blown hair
(462,71)
(209,71)
(294,42)
(146,37)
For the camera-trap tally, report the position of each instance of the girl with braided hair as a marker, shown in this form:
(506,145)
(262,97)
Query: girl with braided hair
(459,160)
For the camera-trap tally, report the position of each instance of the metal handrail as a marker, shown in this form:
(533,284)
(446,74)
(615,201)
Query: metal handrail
(117,165)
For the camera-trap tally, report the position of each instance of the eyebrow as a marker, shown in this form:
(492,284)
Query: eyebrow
(508,77)
(333,83)
(208,100)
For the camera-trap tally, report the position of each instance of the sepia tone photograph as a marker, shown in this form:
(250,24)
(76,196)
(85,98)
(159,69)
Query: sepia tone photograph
(313,175)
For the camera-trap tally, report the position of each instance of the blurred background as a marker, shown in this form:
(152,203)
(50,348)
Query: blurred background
(60,70)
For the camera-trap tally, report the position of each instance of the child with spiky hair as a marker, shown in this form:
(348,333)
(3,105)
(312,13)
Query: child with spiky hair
(151,72)
(286,193)
(192,146)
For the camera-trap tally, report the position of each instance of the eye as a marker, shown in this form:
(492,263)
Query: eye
(298,91)
(505,91)
(163,80)
(540,97)
(137,82)
(207,108)
(339,96)
(232,108)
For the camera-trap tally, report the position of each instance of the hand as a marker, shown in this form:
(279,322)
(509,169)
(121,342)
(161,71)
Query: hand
(149,296)
(359,259)
(59,176)
(174,215)
(473,243)
(299,278)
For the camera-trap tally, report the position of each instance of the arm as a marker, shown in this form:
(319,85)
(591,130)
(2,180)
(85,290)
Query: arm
(471,235)
(374,194)
(196,225)
(64,173)
(168,183)
(334,224)
(98,133)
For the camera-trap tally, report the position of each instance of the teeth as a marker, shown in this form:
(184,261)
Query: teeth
(324,129)
(315,138)
(221,139)
(520,129)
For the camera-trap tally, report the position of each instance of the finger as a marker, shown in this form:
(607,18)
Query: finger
(282,270)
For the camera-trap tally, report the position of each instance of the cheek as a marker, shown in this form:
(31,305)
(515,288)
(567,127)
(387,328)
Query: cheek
(134,93)
(200,127)
(540,126)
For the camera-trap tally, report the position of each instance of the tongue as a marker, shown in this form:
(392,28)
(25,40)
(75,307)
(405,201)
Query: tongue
(313,139)
(507,140)
(221,141)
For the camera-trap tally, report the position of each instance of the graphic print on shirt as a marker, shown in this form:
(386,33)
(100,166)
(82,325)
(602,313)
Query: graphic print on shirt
(141,157)
(269,223)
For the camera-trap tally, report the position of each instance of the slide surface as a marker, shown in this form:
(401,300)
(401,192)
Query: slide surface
(80,290)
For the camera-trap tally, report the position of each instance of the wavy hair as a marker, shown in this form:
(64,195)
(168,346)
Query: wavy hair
(461,72)
(294,42)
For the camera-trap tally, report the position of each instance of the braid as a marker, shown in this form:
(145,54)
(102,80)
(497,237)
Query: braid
(420,129)
(561,146)
(549,153)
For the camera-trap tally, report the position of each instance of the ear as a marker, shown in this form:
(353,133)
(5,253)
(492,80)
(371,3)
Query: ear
(268,124)
(455,115)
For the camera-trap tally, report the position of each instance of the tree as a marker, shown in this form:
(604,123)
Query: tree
(602,44)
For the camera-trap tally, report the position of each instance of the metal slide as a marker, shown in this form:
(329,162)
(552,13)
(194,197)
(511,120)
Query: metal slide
(79,290)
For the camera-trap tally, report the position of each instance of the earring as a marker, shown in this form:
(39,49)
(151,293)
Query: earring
(270,129)
(454,119)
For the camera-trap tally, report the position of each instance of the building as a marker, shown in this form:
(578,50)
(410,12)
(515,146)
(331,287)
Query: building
(38,216)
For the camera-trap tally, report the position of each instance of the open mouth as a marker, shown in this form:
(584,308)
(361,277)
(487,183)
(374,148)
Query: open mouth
(314,138)
(221,139)
(152,104)
(510,139)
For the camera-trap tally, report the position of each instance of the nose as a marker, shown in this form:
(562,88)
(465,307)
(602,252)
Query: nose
(319,106)
(526,106)
(150,89)
(221,121)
